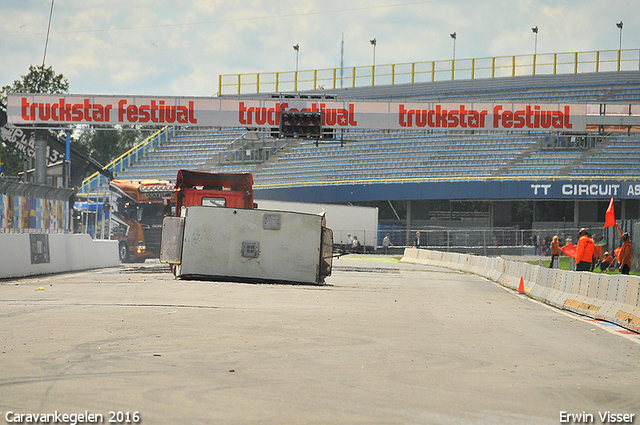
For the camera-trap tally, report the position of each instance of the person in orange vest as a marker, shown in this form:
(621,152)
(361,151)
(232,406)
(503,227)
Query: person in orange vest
(606,262)
(584,253)
(624,256)
(555,250)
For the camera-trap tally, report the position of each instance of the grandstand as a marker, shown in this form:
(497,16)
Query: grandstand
(185,149)
(613,158)
(398,156)
(360,154)
(418,166)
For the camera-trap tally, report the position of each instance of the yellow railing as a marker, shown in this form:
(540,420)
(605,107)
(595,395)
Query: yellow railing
(416,72)
(126,159)
(402,180)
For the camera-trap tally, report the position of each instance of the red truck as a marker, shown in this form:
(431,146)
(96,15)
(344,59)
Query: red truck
(227,190)
(139,207)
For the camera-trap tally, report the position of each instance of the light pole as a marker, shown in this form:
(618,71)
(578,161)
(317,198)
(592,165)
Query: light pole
(619,25)
(341,60)
(373,43)
(297,49)
(373,67)
(454,36)
(453,61)
(535,47)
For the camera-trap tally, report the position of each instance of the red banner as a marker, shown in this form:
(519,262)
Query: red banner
(222,112)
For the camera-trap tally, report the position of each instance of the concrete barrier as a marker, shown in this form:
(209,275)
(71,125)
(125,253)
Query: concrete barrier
(499,270)
(614,298)
(511,276)
(25,254)
(435,257)
(542,280)
(409,256)
(488,267)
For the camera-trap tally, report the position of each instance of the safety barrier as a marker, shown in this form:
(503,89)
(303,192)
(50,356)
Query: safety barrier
(44,253)
(430,71)
(613,298)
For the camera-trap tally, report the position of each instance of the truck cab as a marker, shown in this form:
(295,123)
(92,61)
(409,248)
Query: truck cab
(228,190)
(137,210)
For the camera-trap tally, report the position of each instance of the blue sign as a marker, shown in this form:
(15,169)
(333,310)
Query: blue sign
(456,190)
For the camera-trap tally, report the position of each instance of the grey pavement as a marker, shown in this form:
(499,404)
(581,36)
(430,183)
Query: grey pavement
(382,342)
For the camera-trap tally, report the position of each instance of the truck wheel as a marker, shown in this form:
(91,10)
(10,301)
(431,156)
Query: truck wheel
(123,252)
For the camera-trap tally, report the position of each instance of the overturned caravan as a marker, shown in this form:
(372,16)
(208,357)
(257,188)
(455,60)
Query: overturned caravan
(247,245)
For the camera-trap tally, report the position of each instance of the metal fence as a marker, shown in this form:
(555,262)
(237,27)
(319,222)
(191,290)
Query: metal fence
(501,241)
(92,216)
(429,71)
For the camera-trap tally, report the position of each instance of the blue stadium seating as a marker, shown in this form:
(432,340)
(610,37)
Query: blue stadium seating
(188,149)
(614,158)
(419,157)
(419,154)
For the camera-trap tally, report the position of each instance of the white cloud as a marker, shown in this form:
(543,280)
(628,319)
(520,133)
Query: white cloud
(168,47)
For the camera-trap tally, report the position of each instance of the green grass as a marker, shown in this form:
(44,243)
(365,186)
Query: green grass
(564,265)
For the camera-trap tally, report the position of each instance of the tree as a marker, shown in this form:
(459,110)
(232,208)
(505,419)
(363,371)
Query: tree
(38,80)
(105,143)
(10,160)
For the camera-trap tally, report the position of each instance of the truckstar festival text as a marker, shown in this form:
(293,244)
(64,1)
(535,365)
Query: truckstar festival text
(222,112)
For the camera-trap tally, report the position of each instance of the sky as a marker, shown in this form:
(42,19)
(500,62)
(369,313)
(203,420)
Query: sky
(179,48)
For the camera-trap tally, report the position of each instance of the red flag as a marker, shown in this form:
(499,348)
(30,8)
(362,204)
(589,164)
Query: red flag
(610,216)
(569,250)
(616,252)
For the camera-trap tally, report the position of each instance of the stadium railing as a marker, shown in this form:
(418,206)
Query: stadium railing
(96,180)
(416,72)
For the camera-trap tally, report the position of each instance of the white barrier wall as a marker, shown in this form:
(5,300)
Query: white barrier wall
(23,254)
(614,298)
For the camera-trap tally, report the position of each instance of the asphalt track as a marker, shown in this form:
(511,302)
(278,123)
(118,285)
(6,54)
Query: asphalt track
(382,342)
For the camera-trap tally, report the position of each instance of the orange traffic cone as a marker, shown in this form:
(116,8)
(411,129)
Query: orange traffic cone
(521,286)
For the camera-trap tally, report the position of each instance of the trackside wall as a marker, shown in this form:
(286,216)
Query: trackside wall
(614,298)
(26,254)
